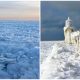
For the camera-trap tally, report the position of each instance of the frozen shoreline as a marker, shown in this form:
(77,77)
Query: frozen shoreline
(59,61)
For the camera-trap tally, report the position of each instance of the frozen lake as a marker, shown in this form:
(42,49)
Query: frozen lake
(19,49)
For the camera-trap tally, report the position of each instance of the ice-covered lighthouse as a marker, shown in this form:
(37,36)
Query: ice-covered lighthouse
(71,36)
(68,29)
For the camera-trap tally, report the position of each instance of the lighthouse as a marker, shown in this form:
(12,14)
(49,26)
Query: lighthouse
(68,29)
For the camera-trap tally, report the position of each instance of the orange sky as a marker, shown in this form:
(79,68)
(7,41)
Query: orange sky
(19,10)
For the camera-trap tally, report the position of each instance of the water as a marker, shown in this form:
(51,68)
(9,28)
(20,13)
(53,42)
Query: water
(19,49)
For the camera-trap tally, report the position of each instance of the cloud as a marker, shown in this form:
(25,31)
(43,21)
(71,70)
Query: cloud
(18,4)
(27,9)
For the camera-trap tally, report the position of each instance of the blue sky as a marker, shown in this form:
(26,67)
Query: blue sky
(53,16)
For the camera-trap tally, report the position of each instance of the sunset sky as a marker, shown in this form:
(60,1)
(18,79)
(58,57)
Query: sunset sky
(19,10)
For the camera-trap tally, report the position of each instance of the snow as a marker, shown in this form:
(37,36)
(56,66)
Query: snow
(75,34)
(19,50)
(59,60)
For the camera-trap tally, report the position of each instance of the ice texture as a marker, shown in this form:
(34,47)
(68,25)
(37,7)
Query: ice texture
(19,50)
(59,60)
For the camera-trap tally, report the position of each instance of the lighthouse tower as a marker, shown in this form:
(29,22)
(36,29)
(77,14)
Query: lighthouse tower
(68,29)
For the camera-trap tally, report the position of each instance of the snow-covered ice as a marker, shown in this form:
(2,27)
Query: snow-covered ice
(59,60)
(19,50)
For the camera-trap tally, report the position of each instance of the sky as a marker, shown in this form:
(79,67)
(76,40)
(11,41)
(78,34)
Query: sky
(53,16)
(19,10)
